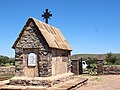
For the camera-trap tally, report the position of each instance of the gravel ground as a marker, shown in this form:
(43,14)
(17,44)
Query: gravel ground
(103,82)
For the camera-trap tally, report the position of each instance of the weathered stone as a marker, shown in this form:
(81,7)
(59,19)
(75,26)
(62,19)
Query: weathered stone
(107,69)
(75,67)
(100,64)
(7,70)
(44,81)
(111,69)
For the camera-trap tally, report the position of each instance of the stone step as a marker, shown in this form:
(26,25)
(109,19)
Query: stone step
(40,81)
(74,83)
(5,82)
(10,87)
(67,85)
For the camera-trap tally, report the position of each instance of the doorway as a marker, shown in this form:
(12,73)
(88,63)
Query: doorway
(30,60)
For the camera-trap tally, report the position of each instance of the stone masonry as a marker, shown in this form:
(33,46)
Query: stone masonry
(30,42)
(107,69)
(50,61)
(7,70)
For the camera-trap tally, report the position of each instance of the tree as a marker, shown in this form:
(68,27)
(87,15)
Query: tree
(110,58)
(3,60)
(6,60)
(12,61)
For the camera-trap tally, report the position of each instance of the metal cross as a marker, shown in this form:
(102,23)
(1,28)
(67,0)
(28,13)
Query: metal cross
(46,15)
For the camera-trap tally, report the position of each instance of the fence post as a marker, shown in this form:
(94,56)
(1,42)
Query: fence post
(100,64)
(80,66)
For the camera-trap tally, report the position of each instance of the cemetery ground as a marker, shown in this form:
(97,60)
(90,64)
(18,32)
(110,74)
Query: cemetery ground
(102,82)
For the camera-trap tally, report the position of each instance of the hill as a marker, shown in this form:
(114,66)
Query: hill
(98,56)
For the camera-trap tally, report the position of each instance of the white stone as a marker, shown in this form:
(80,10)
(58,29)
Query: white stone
(32,58)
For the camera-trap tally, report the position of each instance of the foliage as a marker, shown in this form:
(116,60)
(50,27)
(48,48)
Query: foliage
(11,61)
(6,76)
(90,60)
(117,61)
(4,60)
(110,58)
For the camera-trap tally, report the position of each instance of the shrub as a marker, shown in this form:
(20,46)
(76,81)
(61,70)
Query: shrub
(110,59)
(4,60)
(90,60)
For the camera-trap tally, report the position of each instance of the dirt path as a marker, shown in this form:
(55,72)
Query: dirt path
(104,82)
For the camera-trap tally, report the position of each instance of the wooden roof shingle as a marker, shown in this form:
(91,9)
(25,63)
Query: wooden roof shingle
(52,35)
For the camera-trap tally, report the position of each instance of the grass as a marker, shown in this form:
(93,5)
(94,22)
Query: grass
(6,76)
(96,79)
(117,62)
(7,64)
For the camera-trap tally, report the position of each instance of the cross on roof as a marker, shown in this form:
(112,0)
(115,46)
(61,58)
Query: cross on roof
(46,15)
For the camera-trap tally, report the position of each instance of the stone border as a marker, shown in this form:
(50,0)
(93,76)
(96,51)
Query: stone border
(41,81)
(7,70)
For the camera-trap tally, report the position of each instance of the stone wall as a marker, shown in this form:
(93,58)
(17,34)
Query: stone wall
(32,41)
(107,69)
(60,61)
(19,66)
(111,69)
(45,66)
(59,66)
(75,67)
(100,64)
(7,70)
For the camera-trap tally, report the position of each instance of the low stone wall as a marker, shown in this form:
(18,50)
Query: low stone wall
(110,69)
(107,69)
(7,70)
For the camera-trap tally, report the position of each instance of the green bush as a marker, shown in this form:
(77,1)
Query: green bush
(110,59)
(117,61)
(4,60)
(90,60)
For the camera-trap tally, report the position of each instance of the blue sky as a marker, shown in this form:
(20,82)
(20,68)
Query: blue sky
(90,26)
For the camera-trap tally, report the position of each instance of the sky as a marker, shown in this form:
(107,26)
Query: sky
(90,26)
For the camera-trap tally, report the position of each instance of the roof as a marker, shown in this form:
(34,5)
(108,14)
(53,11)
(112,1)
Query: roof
(52,35)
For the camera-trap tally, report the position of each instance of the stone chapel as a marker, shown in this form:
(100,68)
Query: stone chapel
(41,50)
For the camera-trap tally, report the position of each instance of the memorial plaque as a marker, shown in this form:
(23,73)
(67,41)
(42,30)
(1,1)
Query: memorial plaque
(32,59)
